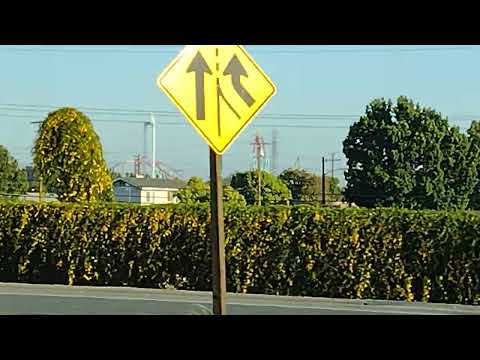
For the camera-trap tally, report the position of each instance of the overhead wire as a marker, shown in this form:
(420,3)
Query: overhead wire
(118,111)
(278,49)
(7,109)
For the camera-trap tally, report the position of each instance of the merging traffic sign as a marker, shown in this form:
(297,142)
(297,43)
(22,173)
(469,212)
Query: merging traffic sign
(218,88)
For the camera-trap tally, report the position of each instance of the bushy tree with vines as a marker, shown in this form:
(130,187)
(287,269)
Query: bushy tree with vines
(68,156)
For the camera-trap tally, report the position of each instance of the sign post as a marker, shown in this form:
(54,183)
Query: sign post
(219,89)
(218,235)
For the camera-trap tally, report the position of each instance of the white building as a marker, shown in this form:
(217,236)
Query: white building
(146,191)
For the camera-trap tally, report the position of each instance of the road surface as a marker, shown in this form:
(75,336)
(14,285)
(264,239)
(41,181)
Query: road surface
(25,299)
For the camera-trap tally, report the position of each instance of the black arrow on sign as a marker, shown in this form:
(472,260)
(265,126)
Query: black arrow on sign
(236,69)
(200,67)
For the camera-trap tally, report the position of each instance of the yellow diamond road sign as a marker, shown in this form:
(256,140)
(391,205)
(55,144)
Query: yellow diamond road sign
(219,89)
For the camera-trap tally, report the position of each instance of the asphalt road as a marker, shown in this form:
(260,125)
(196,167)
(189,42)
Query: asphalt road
(24,299)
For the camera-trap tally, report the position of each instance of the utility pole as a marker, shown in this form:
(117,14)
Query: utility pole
(333,165)
(259,150)
(332,174)
(152,118)
(259,175)
(274,164)
(324,200)
(259,186)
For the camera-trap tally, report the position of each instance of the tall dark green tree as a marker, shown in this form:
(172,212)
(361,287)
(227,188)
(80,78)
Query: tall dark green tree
(408,156)
(474,137)
(273,190)
(68,155)
(13,179)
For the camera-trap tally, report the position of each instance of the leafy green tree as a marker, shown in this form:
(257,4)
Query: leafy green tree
(408,156)
(303,185)
(13,180)
(198,191)
(232,196)
(474,137)
(273,189)
(306,187)
(68,155)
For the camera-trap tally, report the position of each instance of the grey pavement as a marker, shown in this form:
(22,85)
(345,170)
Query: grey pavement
(26,299)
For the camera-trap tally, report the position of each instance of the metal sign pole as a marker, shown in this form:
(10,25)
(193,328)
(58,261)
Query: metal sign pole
(217,236)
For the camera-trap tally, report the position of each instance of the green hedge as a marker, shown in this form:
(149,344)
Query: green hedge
(351,253)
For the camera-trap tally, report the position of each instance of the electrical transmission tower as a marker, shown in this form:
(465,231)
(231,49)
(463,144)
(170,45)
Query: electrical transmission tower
(259,153)
(274,161)
(261,160)
(297,164)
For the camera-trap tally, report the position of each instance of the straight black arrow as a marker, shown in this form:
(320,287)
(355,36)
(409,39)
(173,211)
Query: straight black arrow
(236,69)
(200,67)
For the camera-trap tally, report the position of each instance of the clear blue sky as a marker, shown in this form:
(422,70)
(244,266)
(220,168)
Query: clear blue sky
(335,83)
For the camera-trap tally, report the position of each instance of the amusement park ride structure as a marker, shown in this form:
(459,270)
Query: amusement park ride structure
(143,163)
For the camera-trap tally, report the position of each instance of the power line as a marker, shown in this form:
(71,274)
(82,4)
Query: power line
(164,113)
(6,108)
(38,108)
(85,50)
(312,51)
(117,111)
(185,124)
(382,50)
(261,116)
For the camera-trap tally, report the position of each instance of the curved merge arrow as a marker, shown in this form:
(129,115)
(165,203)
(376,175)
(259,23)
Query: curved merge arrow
(236,69)
(200,67)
